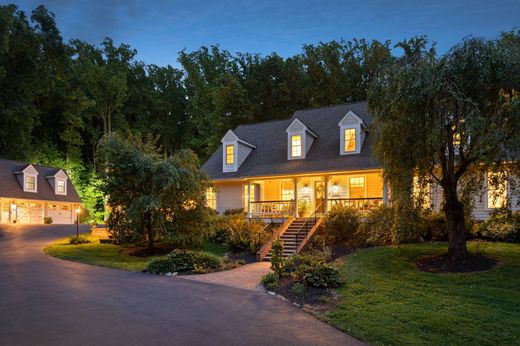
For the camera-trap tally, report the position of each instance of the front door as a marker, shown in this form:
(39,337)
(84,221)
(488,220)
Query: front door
(319,196)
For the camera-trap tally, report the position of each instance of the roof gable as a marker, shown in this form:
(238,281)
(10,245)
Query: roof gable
(350,118)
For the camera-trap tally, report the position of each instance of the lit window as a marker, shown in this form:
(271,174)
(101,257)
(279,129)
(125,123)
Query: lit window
(211,198)
(60,186)
(350,140)
(421,192)
(497,190)
(296,145)
(287,190)
(30,183)
(357,187)
(248,196)
(230,154)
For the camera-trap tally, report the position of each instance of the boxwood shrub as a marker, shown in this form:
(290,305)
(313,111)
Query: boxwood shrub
(183,261)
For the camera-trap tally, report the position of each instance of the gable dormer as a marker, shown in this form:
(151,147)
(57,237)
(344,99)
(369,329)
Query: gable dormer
(58,182)
(299,140)
(234,152)
(352,134)
(28,178)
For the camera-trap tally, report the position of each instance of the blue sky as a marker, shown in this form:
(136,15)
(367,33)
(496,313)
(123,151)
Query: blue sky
(160,29)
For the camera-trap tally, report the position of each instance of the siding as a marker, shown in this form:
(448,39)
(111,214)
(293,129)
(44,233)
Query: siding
(229,196)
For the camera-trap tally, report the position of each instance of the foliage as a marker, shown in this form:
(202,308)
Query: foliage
(79,240)
(449,120)
(298,288)
(292,263)
(184,260)
(277,260)
(244,234)
(270,281)
(319,275)
(435,228)
(431,308)
(502,225)
(152,196)
(341,224)
(47,220)
(375,230)
(303,207)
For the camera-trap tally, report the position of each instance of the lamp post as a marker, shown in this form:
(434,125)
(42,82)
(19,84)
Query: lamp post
(77,221)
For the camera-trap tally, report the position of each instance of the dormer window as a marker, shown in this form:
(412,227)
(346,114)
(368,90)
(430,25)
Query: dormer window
(230,154)
(349,135)
(30,183)
(61,187)
(296,146)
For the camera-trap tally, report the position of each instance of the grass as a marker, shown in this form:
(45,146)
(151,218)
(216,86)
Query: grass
(386,300)
(109,255)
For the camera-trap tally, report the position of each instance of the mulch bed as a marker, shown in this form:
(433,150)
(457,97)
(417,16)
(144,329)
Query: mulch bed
(444,264)
(311,295)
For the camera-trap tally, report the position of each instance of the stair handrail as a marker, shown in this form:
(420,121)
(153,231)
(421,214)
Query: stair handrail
(313,217)
(264,249)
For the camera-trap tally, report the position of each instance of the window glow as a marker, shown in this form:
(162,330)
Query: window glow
(211,198)
(230,154)
(247,196)
(497,190)
(287,190)
(296,145)
(60,186)
(350,140)
(357,187)
(30,183)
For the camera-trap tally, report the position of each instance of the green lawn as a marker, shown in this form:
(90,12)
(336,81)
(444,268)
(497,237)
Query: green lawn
(386,300)
(108,255)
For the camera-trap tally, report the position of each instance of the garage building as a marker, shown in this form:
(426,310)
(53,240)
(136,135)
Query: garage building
(29,193)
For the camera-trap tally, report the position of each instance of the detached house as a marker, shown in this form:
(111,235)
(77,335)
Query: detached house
(298,168)
(28,193)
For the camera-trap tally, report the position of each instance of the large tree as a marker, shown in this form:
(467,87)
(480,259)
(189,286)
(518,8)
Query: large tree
(448,120)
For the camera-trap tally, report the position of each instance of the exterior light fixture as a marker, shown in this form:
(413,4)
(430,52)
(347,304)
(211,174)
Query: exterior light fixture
(335,188)
(77,221)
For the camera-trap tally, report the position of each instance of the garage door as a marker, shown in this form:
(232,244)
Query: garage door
(29,213)
(60,213)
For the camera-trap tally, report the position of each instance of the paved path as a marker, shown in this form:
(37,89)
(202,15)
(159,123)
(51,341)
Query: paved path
(48,301)
(247,276)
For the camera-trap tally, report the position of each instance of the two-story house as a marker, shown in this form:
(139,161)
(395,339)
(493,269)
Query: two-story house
(28,193)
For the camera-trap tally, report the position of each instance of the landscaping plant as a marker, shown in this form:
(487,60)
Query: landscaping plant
(341,225)
(183,261)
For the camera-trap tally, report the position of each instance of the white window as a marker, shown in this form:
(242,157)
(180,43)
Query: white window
(249,194)
(61,188)
(230,154)
(287,188)
(30,183)
(357,187)
(350,140)
(296,146)
(497,190)
(211,198)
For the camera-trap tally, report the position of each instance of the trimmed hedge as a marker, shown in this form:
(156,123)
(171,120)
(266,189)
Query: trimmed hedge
(184,261)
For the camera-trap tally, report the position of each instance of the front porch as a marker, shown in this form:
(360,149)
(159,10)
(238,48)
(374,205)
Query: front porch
(307,195)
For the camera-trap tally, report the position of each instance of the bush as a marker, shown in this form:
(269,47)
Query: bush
(184,260)
(270,281)
(47,220)
(319,275)
(298,288)
(293,263)
(341,225)
(502,225)
(78,241)
(245,235)
(277,260)
(376,230)
(434,226)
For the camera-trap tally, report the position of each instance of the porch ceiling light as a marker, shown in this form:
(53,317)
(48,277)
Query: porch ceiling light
(335,188)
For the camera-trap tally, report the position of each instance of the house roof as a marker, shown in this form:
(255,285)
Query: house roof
(10,185)
(270,138)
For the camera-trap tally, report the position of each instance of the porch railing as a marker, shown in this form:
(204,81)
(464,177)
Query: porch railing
(362,204)
(272,208)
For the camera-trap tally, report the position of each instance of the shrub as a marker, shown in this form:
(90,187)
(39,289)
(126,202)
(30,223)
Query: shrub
(341,225)
(47,220)
(298,288)
(184,260)
(78,241)
(270,281)
(245,235)
(376,230)
(293,263)
(502,225)
(277,260)
(319,275)
(434,226)
(237,211)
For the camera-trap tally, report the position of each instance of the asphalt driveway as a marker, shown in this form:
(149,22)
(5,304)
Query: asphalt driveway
(44,300)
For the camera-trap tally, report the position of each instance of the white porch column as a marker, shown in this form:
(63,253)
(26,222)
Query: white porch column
(248,198)
(325,193)
(295,186)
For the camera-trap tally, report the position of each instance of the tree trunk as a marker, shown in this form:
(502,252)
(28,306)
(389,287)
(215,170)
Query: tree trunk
(454,211)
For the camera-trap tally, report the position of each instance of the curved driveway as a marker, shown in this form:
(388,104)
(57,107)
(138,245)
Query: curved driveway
(44,300)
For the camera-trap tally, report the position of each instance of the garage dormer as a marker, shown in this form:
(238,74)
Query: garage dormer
(352,134)
(59,183)
(299,140)
(234,152)
(28,179)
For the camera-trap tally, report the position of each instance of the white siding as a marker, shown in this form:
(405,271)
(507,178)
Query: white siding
(229,196)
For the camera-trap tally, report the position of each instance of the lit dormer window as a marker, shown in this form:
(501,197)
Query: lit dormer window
(296,146)
(30,183)
(230,154)
(349,140)
(60,186)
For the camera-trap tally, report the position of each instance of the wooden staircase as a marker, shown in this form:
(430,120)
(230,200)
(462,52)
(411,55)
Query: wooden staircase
(293,237)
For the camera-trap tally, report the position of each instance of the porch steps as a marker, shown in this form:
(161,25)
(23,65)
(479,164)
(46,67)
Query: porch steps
(289,237)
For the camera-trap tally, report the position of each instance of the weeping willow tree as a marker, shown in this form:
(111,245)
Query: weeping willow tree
(449,120)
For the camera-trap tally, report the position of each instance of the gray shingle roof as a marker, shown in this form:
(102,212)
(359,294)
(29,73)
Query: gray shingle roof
(270,156)
(10,186)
